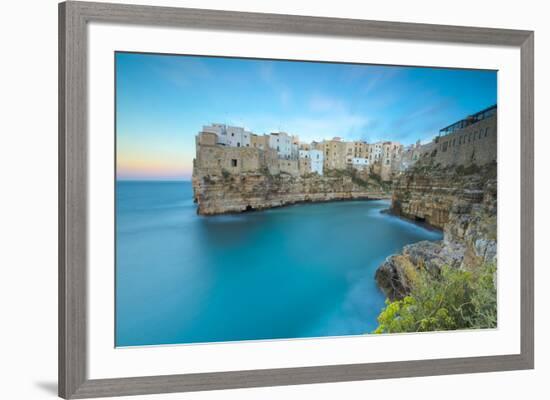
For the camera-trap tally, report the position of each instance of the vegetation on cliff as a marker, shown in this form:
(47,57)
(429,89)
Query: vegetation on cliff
(446,284)
(360,178)
(452,299)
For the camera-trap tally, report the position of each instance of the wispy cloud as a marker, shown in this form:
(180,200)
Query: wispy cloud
(320,126)
(181,72)
(282,92)
(378,78)
(324,103)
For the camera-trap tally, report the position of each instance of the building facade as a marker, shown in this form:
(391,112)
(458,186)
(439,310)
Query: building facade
(282,143)
(317,160)
(259,141)
(280,152)
(334,152)
(311,161)
(472,140)
(360,163)
(232,136)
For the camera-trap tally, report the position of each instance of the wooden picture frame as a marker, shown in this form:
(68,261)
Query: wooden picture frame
(73,202)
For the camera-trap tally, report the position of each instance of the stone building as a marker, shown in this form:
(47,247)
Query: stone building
(290,167)
(356,149)
(334,152)
(390,159)
(316,145)
(304,165)
(280,152)
(259,141)
(294,147)
(212,158)
(472,140)
(219,130)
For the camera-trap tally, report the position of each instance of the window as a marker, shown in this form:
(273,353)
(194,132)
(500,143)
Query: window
(238,144)
(486,131)
(233,162)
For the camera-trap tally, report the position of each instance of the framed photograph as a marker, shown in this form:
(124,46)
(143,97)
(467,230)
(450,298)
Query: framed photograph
(253,200)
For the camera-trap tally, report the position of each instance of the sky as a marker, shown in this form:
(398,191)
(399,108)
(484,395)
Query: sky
(162,102)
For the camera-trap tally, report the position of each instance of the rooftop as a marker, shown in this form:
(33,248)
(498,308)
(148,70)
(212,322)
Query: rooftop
(469,120)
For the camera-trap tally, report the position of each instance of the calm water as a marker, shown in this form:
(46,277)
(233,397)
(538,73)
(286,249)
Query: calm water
(300,271)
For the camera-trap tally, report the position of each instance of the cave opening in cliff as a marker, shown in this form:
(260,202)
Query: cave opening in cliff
(419,219)
(249,208)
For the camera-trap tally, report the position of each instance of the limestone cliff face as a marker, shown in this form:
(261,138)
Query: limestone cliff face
(229,193)
(462,202)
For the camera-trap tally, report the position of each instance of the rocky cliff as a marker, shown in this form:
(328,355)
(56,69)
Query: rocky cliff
(463,202)
(229,193)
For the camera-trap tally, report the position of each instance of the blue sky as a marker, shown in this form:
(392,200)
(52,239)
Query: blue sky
(164,100)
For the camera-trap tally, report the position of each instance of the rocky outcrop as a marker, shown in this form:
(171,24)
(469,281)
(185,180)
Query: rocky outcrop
(462,202)
(428,193)
(228,193)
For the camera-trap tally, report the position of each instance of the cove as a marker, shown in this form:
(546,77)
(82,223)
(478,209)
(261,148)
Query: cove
(293,272)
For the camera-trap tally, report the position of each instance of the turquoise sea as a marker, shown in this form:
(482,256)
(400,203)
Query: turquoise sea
(292,272)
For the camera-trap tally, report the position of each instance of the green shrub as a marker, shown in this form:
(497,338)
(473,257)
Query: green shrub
(454,299)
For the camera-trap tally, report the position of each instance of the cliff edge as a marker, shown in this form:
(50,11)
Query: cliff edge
(462,201)
(230,193)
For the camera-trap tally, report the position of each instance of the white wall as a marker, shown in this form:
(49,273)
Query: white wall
(219,130)
(28,204)
(281,142)
(359,162)
(317,158)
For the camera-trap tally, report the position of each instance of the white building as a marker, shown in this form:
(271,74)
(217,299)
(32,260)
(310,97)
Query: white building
(220,130)
(316,161)
(232,136)
(238,137)
(375,151)
(360,163)
(281,142)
